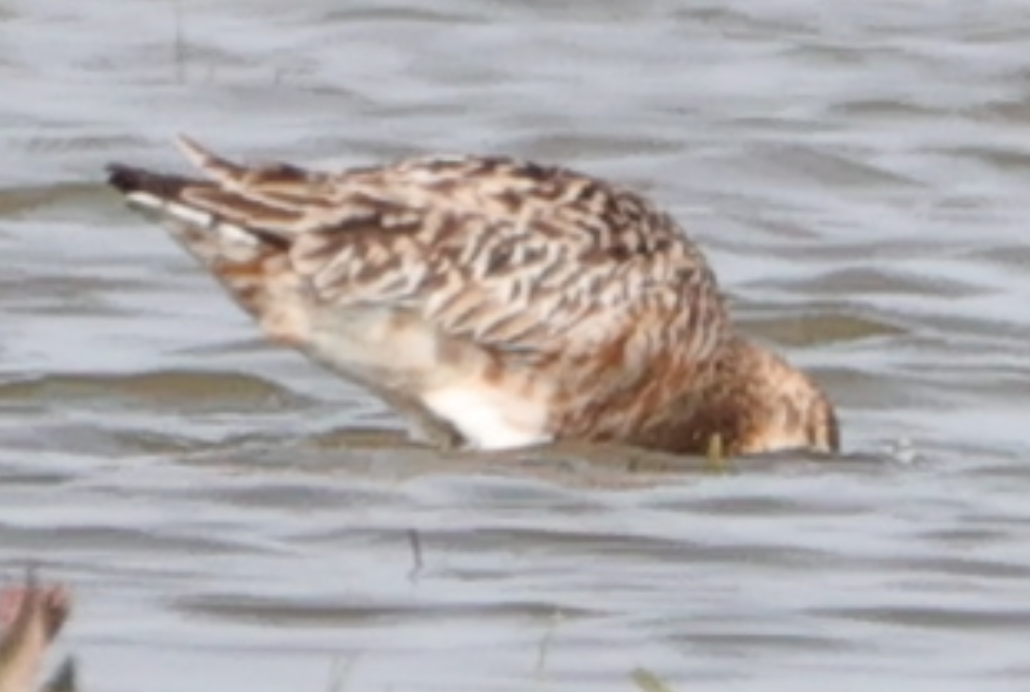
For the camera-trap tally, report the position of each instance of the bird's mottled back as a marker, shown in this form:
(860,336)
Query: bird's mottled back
(501,300)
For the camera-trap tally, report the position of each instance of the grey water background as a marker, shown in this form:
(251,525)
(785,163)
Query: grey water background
(231,519)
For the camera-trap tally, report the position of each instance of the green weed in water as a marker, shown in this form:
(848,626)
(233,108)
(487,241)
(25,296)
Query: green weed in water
(648,681)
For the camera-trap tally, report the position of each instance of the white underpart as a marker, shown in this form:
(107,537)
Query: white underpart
(488,418)
(369,347)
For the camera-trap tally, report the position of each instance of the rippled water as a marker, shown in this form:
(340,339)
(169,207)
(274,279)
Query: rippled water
(232,518)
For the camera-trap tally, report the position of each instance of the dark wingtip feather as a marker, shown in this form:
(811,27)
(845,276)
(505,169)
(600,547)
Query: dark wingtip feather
(129,179)
(123,178)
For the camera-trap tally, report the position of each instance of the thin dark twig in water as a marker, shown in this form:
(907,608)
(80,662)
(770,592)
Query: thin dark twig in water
(339,673)
(180,45)
(64,679)
(545,646)
(415,540)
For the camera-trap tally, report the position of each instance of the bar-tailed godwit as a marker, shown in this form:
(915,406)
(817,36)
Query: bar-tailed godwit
(495,303)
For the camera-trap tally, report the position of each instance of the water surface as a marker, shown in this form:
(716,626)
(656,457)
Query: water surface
(232,518)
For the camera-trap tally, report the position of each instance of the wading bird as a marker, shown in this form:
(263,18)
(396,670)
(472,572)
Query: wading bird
(495,303)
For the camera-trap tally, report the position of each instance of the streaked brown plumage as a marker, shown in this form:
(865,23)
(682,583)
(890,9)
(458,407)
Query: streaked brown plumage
(495,303)
(31,617)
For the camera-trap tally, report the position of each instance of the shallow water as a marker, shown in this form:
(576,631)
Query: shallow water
(232,518)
